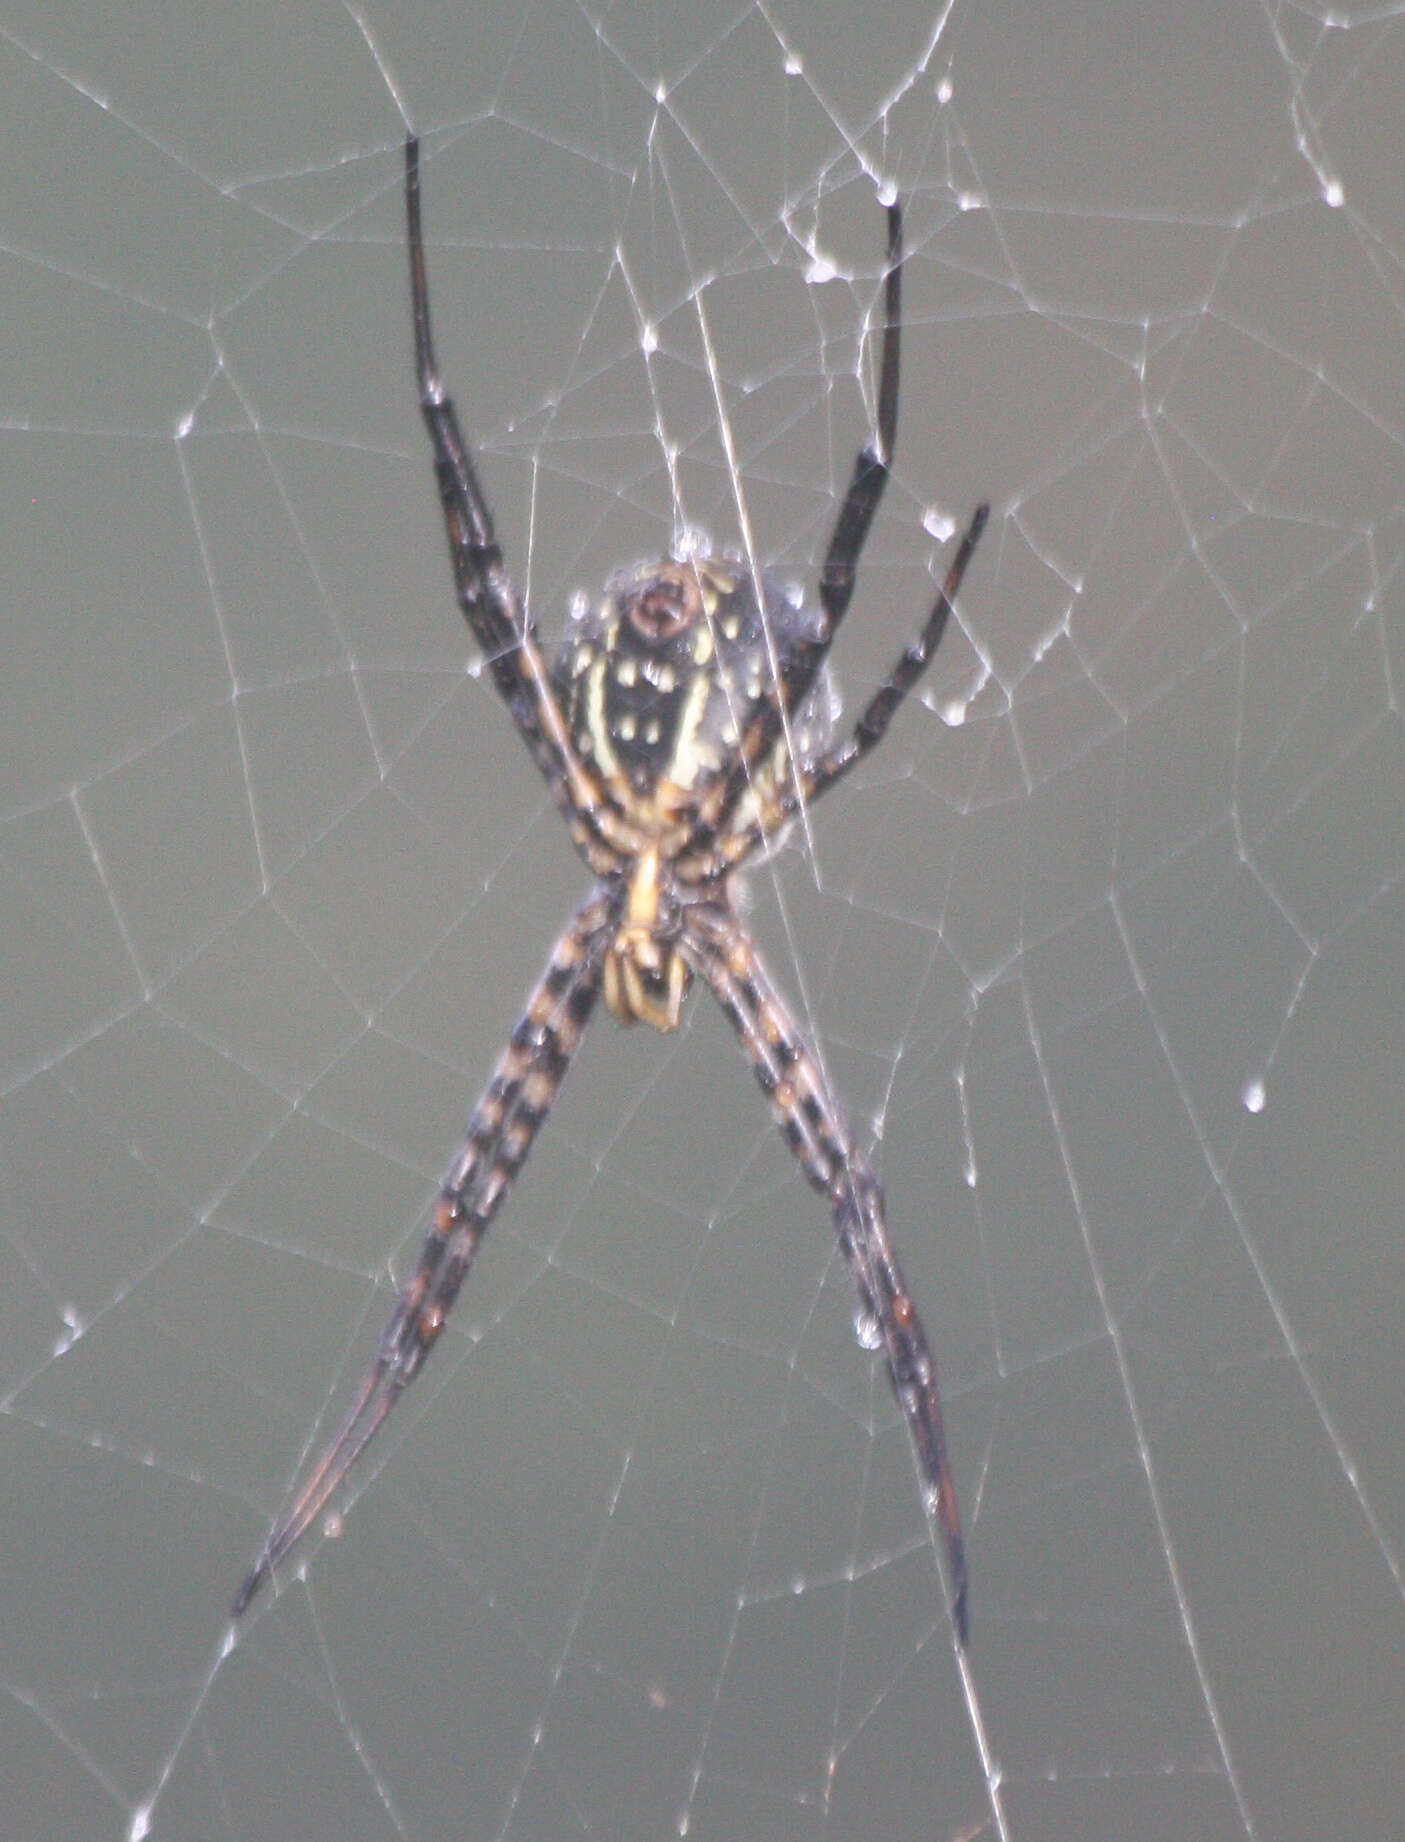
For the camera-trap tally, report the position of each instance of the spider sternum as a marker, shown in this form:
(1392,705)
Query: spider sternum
(646,978)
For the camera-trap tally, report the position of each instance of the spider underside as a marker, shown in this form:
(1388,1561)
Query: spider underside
(674,732)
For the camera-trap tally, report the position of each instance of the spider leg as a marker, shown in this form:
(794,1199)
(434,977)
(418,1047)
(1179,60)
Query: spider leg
(808,782)
(500,1133)
(871,468)
(872,726)
(870,477)
(486,593)
(718,948)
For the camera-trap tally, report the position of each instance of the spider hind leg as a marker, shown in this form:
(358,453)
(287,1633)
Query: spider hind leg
(500,1133)
(813,1123)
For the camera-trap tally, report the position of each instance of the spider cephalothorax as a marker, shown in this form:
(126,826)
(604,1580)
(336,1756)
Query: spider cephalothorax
(680,729)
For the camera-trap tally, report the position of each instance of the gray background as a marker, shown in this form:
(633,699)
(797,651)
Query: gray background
(643,1551)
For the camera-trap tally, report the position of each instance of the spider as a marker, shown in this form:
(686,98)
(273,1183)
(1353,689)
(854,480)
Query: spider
(679,731)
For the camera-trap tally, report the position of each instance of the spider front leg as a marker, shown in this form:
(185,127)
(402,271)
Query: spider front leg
(872,468)
(872,725)
(487,596)
(717,947)
(500,1132)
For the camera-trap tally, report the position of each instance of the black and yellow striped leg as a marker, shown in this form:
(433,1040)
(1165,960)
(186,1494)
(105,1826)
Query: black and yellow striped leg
(719,951)
(499,1136)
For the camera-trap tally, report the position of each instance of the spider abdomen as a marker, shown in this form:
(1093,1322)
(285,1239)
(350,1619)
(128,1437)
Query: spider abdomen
(669,671)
